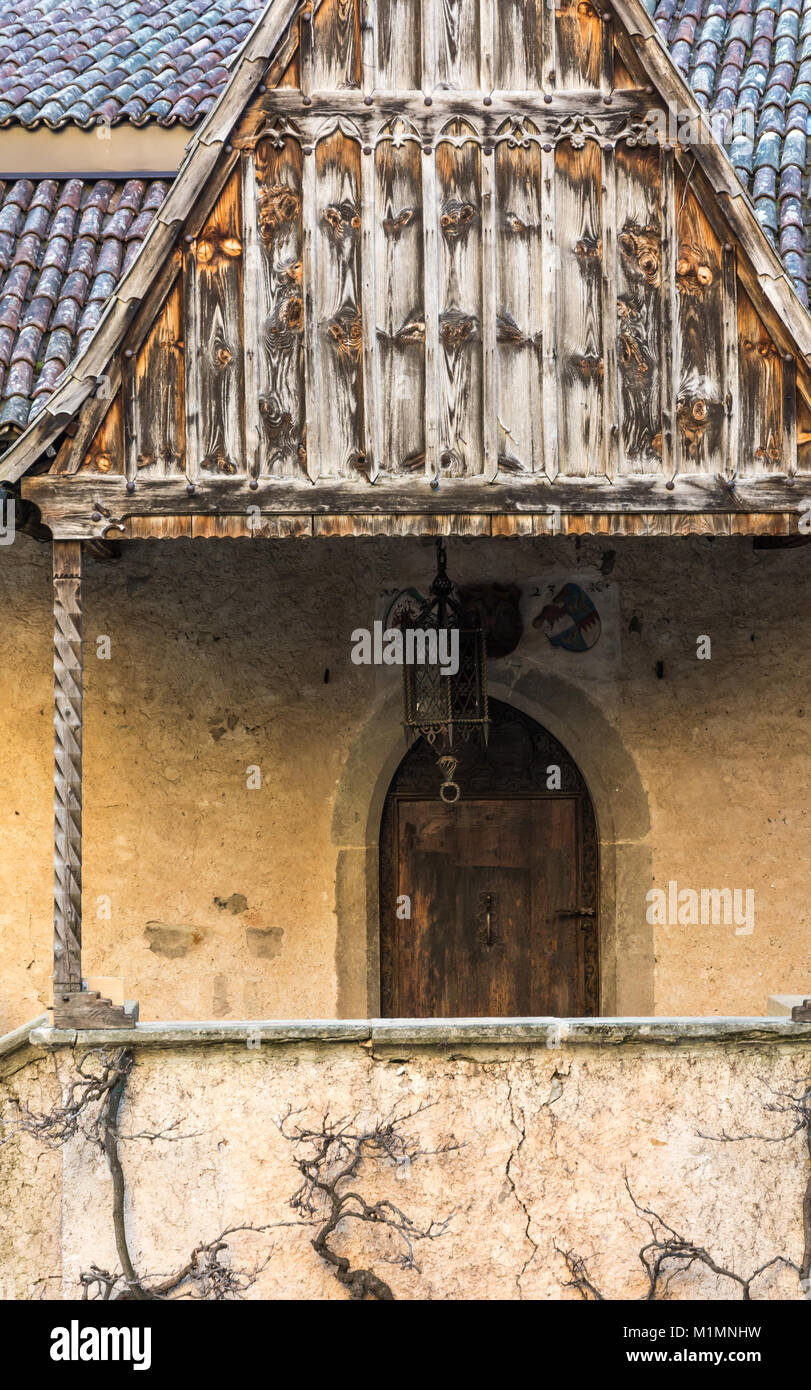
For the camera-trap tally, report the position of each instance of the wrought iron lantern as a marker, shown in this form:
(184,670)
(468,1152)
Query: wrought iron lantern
(445,705)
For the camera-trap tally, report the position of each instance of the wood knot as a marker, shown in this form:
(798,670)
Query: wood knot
(394,225)
(278,205)
(693,273)
(588,249)
(456,329)
(456,218)
(217,461)
(515,224)
(695,414)
(212,249)
(640,245)
(292,313)
(341,218)
(345,333)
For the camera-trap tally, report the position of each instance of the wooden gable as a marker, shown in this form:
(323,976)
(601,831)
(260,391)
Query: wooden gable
(457,266)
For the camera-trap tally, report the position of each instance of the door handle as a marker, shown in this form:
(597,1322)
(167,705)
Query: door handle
(576,912)
(485,916)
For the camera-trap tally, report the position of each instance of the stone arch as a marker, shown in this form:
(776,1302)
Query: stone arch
(623,827)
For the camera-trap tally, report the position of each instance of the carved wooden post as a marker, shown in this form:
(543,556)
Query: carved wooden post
(73,1006)
(67,558)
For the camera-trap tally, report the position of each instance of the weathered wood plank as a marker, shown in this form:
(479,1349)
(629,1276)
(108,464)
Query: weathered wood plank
(730,384)
(520,305)
(458,44)
(490,387)
(609,313)
(761,384)
(579,308)
(789,459)
(368,46)
(278,405)
(368,256)
(336,45)
(105,453)
(404,525)
(252,310)
(67,585)
(71,453)
(399,63)
(214,381)
(458,169)
(430,241)
(550,261)
(69,509)
(427,48)
(762,524)
(639,309)
(548,46)
(400,302)
(518,46)
(306,44)
(578,43)
(339,306)
(803,419)
(700,410)
(156,423)
(490,17)
(701,525)
(607,54)
(86,1009)
(670,316)
(312,337)
(501,525)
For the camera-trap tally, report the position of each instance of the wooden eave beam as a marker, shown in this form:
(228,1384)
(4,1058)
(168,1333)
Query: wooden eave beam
(93,506)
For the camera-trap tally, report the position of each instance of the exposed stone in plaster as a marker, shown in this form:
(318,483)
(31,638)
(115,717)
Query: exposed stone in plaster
(174,942)
(265,941)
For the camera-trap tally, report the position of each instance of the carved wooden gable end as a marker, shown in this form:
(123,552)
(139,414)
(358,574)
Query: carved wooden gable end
(453,258)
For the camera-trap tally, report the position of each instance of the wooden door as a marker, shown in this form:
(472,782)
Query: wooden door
(488,906)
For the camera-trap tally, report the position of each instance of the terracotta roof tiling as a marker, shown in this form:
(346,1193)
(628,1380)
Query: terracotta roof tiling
(124,60)
(749,65)
(64,243)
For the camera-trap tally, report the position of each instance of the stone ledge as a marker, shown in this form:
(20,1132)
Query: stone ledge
(21,1037)
(439,1033)
(204,1033)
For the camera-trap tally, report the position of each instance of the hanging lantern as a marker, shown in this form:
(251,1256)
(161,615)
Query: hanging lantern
(446,694)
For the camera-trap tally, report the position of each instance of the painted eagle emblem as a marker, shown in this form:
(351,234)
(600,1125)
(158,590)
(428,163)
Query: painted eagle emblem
(570,621)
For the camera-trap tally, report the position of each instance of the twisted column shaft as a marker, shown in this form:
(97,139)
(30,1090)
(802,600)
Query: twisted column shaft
(67,558)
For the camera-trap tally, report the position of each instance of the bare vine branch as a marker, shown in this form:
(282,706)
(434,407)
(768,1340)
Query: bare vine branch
(329,1157)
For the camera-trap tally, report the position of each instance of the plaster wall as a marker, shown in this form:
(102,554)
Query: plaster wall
(545,1134)
(217,899)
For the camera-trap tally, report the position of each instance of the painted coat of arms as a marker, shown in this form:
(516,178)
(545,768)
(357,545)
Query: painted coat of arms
(571,620)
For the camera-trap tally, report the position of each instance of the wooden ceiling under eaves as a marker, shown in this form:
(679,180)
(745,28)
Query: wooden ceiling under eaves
(452,272)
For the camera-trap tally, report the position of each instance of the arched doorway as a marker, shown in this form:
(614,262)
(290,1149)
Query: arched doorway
(488,908)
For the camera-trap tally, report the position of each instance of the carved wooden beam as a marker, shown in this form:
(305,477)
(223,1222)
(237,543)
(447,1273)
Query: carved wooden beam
(97,506)
(73,1006)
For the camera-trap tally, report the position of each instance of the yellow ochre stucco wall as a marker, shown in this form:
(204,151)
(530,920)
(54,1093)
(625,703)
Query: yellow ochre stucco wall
(216,900)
